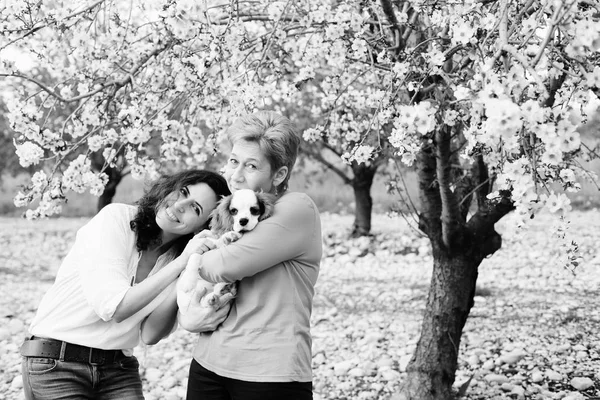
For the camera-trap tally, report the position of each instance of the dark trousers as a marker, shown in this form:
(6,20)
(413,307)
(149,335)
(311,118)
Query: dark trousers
(206,385)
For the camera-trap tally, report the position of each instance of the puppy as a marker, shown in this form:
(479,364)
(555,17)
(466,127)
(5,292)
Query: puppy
(234,215)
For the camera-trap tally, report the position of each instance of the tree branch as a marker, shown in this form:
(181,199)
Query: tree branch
(480,171)
(319,157)
(450,216)
(429,195)
(480,227)
(37,28)
(116,84)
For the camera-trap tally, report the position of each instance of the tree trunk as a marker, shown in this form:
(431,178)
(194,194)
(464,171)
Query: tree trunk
(431,372)
(361,184)
(114,178)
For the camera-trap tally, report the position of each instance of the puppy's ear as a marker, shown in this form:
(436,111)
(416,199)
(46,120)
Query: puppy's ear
(266,202)
(221,220)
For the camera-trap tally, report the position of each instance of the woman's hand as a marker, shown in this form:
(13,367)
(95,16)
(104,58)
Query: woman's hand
(200,243)
(198,318)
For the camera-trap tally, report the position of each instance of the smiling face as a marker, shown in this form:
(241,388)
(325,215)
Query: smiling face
(186,211)
(248,168)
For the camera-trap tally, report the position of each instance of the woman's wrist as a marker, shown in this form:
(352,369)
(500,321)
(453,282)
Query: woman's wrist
(180,262)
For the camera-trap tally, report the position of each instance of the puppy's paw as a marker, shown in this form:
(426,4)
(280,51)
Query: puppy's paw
(230,237)
(210,300)
(221,288)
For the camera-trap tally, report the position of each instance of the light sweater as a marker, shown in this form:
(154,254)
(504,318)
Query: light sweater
(266,337)
(91,282)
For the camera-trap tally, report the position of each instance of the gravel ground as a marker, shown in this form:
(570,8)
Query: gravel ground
(532,334)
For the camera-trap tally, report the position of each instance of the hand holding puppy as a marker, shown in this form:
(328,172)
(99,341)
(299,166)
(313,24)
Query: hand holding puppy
(235,214)
(199,244)
(199,318)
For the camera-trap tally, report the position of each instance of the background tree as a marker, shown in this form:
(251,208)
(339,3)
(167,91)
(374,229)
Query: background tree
(484,97)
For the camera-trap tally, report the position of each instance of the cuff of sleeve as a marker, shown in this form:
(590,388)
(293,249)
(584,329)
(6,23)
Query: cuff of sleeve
(108,308)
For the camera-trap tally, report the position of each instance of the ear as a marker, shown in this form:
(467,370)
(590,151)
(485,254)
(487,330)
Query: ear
(279,176)
(220,217)
(266,202)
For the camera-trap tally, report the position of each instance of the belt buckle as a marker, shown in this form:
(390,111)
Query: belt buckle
(100,354)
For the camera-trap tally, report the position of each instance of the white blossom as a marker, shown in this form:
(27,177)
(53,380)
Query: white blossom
(29,153)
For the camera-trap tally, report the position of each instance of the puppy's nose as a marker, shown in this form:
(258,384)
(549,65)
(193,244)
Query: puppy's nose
(243,221)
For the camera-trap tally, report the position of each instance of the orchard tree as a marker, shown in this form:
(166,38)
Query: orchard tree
(328,151)
(483,97)
(10,162)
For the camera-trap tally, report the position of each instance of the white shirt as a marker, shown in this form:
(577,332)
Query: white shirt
(91,282)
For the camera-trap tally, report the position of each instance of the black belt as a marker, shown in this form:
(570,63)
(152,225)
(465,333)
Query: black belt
(59,350)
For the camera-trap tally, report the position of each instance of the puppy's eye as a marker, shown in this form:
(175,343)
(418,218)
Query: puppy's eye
(233,211)
(254,210)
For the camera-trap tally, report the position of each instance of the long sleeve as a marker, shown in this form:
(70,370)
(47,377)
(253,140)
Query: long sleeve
(266,337)
(105,251)
(286,235)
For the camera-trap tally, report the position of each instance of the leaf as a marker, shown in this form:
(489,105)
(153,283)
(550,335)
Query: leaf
(462,390)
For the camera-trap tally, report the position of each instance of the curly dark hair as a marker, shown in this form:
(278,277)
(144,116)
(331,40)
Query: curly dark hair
(144,222)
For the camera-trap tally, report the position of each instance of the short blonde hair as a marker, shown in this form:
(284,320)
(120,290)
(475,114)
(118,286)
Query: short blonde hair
(275,135)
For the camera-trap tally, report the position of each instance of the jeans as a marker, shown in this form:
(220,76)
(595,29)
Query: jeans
(206,385)
(50,379)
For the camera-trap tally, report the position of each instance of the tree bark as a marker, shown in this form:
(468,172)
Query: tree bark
(361,184)
(114,178)
(432,370)
(458,248)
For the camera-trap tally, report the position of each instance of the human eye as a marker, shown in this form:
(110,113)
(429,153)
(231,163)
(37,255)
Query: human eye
(196,209)
(184,191)
(233,161)
(251,166)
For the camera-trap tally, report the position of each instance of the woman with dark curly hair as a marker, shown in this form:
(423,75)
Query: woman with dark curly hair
(117,286)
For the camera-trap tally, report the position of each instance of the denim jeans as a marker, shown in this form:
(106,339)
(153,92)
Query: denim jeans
(206,385)
(50,379)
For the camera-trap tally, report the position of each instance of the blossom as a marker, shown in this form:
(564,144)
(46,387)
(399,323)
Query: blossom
(532,112)
(334,31)
(73,177)
(400,69)
(29,153)
(557,203)
(587,33)
(352,136)
(362,154)
(425,117)
(306,73)
(450,117)
(461,93)
(275,9)
(462,32)
(136,135)
(553,153)
(96,183)
(435,58)
(359,46)
(22,199)
(593,78)
(567,175)
(312,134)
(95,143)
(503,116)
(570,141)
